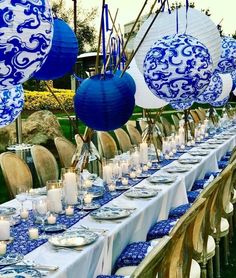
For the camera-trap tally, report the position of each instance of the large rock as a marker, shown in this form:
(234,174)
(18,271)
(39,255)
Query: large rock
(39,128)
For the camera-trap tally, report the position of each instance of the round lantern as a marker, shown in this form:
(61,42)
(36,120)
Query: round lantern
(227,62)
(227,85)
(181,105)
(234,92)
(143,96)
(11,104)
(128,79)
(177,68)
(198,25)
(233,76)
(63,53)
(213,91)
(25,39)
(104,102)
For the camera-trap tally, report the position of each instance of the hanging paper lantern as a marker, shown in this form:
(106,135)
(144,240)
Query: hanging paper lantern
(227,84)
(104,102)
(234,92)
(63,53)
(25,39)
(213,91)
(128,79)
(177,68)
(227,62)
(233,76)
(143,96)
(181,105)
(199,26)
(11,104)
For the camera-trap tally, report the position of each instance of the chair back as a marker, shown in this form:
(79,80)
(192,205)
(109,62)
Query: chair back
(65,150)
(107,145)
(45,164)
(123,140)
(195,117)
(200,114)
(15,172)
(168,128)
(175,120)
(134,134)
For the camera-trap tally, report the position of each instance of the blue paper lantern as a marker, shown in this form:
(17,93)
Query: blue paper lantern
(181,105)
(227,62)
(213,91)
(25,39)
(63,53)
(11,104)
(178,68)
(233,75)
(104,102)
(128,79)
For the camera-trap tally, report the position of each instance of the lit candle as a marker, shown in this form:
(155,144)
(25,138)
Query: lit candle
(88,183)
(112,187)
(132,175)
(33,233)
(70,188)
(69,210)
(3,248)
(88,198)
(145,168)
(107,173)
(138,171)
(149,164)
(143,153)
(182,147)
(51,219)
(54,196)
(125,167)
(24,214)
(124,181)
(4,229)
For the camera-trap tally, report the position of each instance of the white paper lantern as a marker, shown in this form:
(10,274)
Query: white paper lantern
(25,39)
(199,26)
(178,68)
(226,89)
(227,61)
(11,104)
(143,96)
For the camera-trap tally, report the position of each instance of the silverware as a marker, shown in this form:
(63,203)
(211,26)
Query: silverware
(40,267)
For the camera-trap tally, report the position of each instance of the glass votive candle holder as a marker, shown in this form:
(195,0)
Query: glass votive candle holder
(88,198)
(124,181)
(132,175)
(145,168)
(52,219)
(111,187)
(33,233)
(88,183)
(138,171)
(69,210)
(149,164)
(3,248)
(24,214)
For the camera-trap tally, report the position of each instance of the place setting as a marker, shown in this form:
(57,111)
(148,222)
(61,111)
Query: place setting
(141,192)
(198,152)
(161,179)
(189,160)
(177,169)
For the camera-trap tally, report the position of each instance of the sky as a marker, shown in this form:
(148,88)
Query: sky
(129,9)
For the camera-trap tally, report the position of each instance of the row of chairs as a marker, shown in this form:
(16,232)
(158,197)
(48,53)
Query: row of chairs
(193,241)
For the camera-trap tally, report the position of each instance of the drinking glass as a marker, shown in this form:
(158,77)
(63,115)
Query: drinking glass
(42,212)
(21,194)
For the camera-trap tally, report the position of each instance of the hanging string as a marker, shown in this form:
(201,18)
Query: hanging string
(177,20)
(186,25)
(107,18)
(104,56)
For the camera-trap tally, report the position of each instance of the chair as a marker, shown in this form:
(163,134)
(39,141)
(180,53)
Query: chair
(107,144)
(175,120)
(45,164)
(195,117)
(66,150)
(15,171)
(134,134)
(200,114)
(168,128)
(123,140)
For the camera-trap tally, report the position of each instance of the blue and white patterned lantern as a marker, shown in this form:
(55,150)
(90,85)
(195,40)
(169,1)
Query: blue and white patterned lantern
(180,106)
(25,39)
(178,68)
(213,91)
(233,75)
(227,62)
(11,104)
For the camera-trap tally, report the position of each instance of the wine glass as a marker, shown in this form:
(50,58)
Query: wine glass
(21,194)
(82,190)
(42,212)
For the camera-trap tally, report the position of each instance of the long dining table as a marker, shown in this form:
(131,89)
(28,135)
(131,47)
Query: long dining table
(100,256)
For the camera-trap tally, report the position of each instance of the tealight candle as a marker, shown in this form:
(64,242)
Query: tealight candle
(88,183)
(189,144)
(171,154)
(149,164)
(145,168)
(132,175)
(88,198)
(51,219)
(4,229)
(69,211)
(124,181)
(24,214)
(112,187)
(33,233)
(167,156)
(138,171)
(3,248)
(182,147)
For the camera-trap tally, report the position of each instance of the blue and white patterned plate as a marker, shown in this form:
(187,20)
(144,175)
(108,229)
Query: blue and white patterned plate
(198,153)
(21,272)
(108,213)
(11,258)
(215,141)
(177,169)
(91,206)
(161,179)
(123,187)
(97,191)
(140,193)
(208,146)
(7,210)
(189,160)
(73,238)
(54,228)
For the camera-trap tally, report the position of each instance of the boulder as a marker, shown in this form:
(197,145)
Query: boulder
(39,128)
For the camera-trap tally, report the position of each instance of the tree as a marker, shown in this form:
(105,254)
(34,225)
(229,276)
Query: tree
(86,32)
